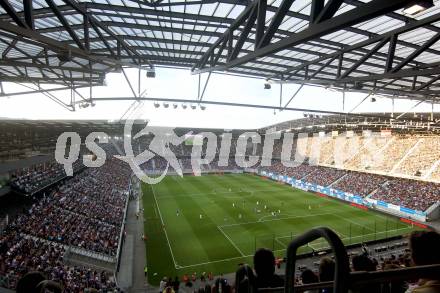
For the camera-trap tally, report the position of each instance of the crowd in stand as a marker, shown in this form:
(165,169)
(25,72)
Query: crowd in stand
(36,177)
(20,255)
(85,211)
(324,176)
(417,195)
(360,183)
(158,164)
(297,172)
(413,194)
(67,216)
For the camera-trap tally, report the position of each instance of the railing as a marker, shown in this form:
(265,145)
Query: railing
(75,249)
(344,279)
(91,254)
(341,258)
(121,234)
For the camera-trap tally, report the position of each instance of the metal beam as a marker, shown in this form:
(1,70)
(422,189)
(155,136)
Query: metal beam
(6,62)
(360,103)
(391,53)
(418,103)
(96,23)
(101,37)
(32,92)
(12,13)
(8,49)
(293,96)
(428,83)
(43,41)
(315,9)
(24,78)
(329,10)
(277,19)
(200,98)
(244,34)
(226,35)
(261,21)
(65,23)
(417,52)
(364,58)
(244,105)
(86,32)
(411,26)
(352,17)
(28,13)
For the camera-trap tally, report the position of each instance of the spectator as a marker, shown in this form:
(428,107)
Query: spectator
(309,277)
(425,251)
(162,284)
(245,280)
(221,286)
(176,284)
(29,282)
(264,266)
(363,262)
(326,272)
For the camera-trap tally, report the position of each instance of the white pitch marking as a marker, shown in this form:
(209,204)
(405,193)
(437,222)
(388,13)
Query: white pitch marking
(163,226)
(230,240)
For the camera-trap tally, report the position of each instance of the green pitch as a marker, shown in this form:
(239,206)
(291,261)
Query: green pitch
(212,223)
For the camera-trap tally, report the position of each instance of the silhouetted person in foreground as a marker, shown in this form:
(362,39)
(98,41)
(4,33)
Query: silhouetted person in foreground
(363,263)
(309,277)
(326,272)
(29,282)
(425,250)
(35,282)
(264,266)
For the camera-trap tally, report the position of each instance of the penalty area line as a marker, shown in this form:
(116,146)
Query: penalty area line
(230,240)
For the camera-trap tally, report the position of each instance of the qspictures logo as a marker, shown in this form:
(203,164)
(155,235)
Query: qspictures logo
(210,147)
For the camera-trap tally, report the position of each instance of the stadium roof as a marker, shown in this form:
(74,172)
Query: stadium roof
(369,46)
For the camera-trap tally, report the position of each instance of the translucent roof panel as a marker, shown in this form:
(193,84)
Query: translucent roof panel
(294,43)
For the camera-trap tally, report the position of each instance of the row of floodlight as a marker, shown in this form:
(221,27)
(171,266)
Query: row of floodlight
(307,115)
(84,105)
(176,105)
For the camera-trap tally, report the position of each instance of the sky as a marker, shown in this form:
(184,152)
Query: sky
(181,84)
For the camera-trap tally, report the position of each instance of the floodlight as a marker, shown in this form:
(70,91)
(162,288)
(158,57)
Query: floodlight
(267,86)
(184,106)
(203,107)
(175,105)
(156,105)
(151,73)
(373,99)
(193,106)
(86,105)
(92,104)
(165,105)
(358,86)
(417,6)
